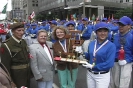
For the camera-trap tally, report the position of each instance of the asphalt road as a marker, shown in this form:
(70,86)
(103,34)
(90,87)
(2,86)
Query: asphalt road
(81,80)
(80,83)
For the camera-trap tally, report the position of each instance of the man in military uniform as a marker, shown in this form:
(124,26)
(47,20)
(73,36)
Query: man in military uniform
(15,56)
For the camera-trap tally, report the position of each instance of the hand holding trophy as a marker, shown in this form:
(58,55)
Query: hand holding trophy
(74,48)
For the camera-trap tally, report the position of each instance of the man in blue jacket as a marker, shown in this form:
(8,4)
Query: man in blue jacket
(121,72)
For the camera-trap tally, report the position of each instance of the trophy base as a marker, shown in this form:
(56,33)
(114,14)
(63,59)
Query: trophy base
(70,60)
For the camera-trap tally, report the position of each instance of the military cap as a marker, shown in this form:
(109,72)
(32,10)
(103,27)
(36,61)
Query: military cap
(17,25)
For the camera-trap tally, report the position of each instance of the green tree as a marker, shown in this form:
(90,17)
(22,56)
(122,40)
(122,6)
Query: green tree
(40,17)
(123,12)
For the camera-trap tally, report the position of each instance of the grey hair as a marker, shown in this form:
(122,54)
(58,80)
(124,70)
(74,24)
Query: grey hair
(42,30)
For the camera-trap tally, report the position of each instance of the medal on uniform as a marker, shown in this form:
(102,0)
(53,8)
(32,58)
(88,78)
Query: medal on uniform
(94,60)
(95,51)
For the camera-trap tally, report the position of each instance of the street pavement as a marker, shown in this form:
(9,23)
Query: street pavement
(81,80)
(80,83)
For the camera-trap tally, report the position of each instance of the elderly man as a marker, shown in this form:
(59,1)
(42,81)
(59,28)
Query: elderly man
(42,60)
(14,55)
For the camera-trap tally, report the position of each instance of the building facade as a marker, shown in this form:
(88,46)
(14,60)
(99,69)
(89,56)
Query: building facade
(65,8)
(17,12)
(29,6)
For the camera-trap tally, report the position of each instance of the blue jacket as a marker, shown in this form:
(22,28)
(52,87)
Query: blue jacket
(104,57)
(86,35)
(128,46)
(31,31)
(46,27)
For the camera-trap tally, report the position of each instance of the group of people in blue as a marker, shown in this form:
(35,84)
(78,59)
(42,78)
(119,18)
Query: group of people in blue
(104,68)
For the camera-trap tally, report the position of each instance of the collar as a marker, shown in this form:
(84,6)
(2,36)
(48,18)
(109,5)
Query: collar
(42,44)
(16,39)
(98,43)
(124,34)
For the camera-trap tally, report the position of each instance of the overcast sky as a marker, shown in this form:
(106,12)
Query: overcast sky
(2,4)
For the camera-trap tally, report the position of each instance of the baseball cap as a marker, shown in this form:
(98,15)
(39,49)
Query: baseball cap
(53,22)
(101,25)
(70,23)
(33,24)
(28,24)
(85,19)
(104,19)
(44,22)
(125,20)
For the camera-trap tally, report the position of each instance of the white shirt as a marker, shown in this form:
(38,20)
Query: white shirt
(48,53)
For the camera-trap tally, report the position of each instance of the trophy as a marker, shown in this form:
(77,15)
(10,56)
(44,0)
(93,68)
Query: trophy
(73,39)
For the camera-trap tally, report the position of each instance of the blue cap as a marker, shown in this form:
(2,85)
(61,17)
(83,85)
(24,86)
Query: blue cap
(104,19)
(85,19)
(33,24)
(28,24)
(44,22)
(114,21)
(63,21)
(125,20)
(53,22)
(70,23)
(132,23)
(101,25)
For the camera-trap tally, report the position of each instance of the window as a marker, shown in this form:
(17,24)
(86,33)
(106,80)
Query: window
(33,4)
(121,1)
(127,0)
(36,4)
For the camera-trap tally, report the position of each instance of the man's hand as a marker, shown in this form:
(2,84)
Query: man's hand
(40,79)
(87,65)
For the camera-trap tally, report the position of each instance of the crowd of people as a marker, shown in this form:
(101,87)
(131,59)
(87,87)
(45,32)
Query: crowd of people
(30,49)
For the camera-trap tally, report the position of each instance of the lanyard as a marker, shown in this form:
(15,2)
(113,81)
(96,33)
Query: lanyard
(95,50)
(63,46)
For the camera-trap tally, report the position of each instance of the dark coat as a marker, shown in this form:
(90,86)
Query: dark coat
(15,57)
(5,80)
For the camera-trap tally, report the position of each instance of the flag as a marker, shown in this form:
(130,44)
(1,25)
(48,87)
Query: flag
(4,9)
(93,17)
(32,15)
(89,19)
(109,18)
(112,17)
(97,18)
(67,18)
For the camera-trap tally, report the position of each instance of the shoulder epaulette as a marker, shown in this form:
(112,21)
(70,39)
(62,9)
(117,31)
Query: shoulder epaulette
(5,41)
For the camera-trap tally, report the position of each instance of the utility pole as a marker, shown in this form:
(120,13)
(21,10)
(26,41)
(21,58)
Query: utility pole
(83,8)
(132,10)
(65,4)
